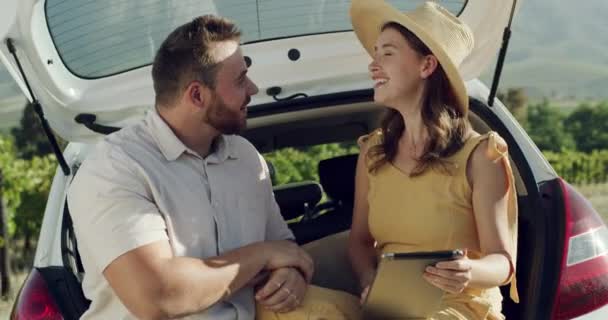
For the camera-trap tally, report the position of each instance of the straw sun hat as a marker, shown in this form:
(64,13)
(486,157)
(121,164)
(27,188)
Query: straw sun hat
(448,38)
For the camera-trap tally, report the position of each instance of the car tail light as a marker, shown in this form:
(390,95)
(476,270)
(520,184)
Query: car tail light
(583,284)
(35,301)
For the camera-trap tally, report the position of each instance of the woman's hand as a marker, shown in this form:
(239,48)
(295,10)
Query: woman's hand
(283,291)
(451,276)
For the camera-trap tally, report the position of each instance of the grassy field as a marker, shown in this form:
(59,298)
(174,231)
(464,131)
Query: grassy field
(6,305)
(598,195)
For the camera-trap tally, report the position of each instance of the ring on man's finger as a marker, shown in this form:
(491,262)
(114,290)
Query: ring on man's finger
(288,291)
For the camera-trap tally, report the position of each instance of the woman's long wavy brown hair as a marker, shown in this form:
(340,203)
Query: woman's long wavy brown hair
(445,124)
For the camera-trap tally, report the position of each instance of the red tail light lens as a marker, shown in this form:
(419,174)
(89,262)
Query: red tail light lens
(35,301)
(583,285)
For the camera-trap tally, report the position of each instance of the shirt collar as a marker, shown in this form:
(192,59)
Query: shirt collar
(172,147)
(223,149)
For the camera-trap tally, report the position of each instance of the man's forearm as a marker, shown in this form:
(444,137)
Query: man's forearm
(154,284)
(191,285)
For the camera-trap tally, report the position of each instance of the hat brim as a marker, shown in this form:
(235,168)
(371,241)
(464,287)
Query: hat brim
(369,17)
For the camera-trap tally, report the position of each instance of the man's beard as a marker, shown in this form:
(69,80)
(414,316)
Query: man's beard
(224,119)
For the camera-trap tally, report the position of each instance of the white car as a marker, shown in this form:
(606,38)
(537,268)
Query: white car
(87,65)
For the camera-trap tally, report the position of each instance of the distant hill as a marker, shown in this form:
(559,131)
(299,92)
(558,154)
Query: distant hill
(11,101)
(8,88)
(10,112)
(559,50)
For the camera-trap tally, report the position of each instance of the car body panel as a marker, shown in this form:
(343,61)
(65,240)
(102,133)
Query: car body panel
(49,254)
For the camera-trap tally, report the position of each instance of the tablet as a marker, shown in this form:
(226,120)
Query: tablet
(400,291)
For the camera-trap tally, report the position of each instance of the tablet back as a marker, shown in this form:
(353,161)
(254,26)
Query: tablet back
(400,291)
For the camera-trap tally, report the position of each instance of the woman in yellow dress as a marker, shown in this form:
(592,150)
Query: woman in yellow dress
(426,180)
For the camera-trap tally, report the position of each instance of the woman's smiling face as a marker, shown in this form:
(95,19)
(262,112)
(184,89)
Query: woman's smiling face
(397,69)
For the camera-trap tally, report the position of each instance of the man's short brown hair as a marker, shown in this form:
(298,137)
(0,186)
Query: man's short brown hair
(185,56)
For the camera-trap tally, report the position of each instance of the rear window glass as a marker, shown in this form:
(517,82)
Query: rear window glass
(101,38)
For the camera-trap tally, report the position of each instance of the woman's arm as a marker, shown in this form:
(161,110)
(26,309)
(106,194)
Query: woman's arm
(360,243)
(490,186)
(490,202)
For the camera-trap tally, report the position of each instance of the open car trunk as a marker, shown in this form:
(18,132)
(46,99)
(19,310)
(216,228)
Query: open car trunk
(327,243)
(92,59)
